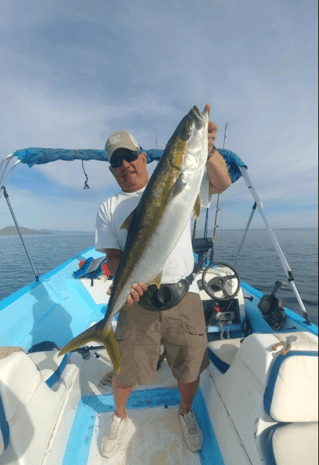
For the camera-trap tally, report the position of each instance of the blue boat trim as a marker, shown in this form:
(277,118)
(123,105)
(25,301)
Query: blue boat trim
(29,287)
(4,426)
(80,439)
(269,444)
(222,366)
(58,372)
(301,320)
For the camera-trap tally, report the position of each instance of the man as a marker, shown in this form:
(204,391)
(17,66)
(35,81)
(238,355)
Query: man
(140,331)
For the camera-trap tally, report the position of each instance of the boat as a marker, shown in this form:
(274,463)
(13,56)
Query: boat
(257,402)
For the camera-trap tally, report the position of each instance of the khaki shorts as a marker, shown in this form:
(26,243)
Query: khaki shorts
(181,329)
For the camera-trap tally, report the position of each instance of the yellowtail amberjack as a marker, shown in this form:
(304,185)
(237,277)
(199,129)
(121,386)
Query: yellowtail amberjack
(157,223)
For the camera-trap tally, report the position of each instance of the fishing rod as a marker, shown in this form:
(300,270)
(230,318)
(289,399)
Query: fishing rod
(217,203)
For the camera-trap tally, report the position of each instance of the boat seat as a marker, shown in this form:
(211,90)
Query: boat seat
(27,400)
(291,399)
(291,394)
(49,364)
(222,352)
(293,444)
(4,426)
(263,387)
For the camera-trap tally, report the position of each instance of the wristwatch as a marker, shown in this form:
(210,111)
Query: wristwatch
(211,153)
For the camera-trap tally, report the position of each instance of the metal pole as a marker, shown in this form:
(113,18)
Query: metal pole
(215,222)
(206,224)
(218,197)
(275,242)
(5,178)
(246,231)
(3,166)
(6,196)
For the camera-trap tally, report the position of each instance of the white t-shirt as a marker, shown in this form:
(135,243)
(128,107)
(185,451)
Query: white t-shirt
(109,235)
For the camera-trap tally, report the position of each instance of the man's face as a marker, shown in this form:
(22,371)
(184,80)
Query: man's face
(131,176)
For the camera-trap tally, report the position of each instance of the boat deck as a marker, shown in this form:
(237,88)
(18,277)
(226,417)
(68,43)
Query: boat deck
(154,435)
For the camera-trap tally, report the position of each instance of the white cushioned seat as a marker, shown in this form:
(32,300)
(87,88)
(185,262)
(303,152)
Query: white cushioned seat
(5,351)
(292,391)
(291,399)
(293,444)
(31,408)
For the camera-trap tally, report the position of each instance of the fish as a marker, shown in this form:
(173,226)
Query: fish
(155,226)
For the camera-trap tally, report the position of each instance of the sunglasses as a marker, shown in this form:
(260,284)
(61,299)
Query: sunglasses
(129,156)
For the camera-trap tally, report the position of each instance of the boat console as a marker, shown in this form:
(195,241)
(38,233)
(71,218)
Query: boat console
(223,301)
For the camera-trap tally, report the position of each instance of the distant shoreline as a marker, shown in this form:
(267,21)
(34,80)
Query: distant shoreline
(12,231)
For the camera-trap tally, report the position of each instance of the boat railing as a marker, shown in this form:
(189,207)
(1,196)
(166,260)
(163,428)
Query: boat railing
(274,240)
(5,172)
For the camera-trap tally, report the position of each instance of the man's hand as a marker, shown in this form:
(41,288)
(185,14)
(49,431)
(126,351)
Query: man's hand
(217,171)
(113,260)
(212,129)
(137,290)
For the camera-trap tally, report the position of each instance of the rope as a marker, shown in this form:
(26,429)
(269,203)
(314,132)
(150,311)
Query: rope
(86,186)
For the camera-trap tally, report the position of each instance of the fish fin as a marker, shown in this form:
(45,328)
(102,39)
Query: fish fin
(129,221)
(197,208)
(157,280)
(99,333)
(179,185)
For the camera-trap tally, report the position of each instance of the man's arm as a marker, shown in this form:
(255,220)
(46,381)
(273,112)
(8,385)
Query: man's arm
(217,172)
(113,260)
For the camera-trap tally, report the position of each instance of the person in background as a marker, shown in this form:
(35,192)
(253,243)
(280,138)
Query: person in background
(141,330)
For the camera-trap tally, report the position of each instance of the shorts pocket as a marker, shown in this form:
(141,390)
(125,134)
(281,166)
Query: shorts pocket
(198,329)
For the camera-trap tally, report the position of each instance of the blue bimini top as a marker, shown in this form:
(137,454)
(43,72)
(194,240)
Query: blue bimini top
(38,156)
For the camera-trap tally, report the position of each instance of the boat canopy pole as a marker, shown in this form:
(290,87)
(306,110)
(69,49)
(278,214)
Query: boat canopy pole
(5,176)
(6,196)
(3,167)
(245,233)
(275,242)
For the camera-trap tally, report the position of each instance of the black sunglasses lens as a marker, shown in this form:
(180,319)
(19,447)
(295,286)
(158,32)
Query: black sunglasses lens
(128,156)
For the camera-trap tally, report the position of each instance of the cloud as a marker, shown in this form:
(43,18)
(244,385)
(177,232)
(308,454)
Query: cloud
(73,72)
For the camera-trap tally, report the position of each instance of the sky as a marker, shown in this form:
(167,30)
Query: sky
(72,72)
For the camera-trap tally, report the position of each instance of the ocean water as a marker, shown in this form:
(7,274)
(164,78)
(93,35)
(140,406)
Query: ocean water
(257,264)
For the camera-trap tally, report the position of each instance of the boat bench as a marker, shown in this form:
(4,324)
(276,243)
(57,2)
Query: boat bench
(291,400)
(30,395)
(272,398)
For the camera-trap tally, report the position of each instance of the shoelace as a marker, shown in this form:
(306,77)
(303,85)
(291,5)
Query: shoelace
(190,421)
(113,429)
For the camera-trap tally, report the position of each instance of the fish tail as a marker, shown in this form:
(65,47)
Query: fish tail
(98,333)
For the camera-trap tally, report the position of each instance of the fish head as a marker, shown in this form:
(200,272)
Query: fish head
(189,143)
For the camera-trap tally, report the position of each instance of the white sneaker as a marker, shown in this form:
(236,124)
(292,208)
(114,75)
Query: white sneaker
(113,439)
(192,433)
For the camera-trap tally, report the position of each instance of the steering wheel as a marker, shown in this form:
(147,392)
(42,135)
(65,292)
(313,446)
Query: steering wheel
(221,281)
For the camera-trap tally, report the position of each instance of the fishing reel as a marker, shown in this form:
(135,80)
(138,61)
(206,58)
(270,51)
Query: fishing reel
(221,281)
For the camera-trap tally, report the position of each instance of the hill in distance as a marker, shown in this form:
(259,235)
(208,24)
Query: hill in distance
(12,231)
